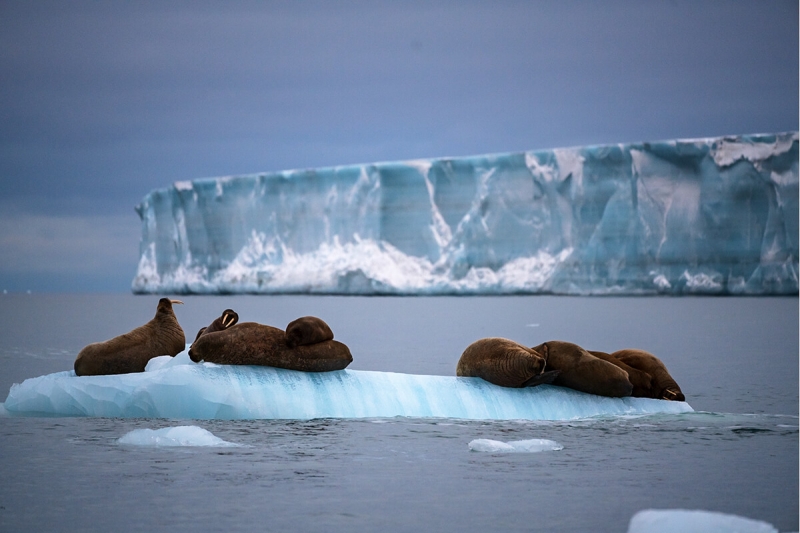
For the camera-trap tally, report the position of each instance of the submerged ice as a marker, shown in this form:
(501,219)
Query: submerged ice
(180,389)
(514,446)
(708,216)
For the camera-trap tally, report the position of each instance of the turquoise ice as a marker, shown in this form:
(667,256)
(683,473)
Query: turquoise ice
(706,216)
(179,389)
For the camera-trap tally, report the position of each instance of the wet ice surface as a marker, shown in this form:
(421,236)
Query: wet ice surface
(736,359)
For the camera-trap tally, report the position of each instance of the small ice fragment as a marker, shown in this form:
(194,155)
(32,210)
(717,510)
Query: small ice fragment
(166,361)
(531,325)
(174,436)
(514,446)
(694,521)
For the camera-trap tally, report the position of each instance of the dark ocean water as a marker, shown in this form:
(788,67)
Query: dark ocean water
(736,360)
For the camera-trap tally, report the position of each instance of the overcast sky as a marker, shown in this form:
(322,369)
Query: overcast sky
(100,102)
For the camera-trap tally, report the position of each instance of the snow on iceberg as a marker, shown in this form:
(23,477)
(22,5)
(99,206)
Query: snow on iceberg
(691,521)
(514,446)
(706,216)
(174,436)
(179,389)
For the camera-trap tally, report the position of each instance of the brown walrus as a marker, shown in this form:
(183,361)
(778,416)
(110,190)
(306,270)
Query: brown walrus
(228,318)
(582,371)
(307,330)
(250,343)
(623,373)
(503,362)
(131,352)
(663,386)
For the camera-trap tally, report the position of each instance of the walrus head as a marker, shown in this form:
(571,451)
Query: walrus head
(228,318)
(165,305)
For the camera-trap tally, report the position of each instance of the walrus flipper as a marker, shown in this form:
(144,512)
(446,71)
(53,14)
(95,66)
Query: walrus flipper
(545,378)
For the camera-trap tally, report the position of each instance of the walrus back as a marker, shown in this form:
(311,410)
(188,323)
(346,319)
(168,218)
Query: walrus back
(250,343)
(584,372)
(500,361)
(131,351)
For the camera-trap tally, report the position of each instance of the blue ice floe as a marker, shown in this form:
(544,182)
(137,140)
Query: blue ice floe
(180,389)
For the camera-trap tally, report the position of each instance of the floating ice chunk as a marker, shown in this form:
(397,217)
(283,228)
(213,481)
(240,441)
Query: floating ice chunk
(514,446)
(174,436)
(208,391)
(691,521)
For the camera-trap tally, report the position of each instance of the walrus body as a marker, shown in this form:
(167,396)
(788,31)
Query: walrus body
(641,381)
(582,371)
(131,352)
(663,386)
(307,330)
(228,318)
(623,373)
(250,343)
(502,362)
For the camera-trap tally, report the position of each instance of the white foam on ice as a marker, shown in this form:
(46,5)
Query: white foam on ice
(514,446)
(174,436)
(694,521)
(173,388)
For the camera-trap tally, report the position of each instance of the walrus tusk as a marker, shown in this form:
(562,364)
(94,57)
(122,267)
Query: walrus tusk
(176,301)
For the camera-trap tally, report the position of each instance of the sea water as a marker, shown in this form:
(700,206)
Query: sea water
(736,360)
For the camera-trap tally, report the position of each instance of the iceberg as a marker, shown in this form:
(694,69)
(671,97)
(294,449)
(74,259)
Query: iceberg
(702,216)
(180,389)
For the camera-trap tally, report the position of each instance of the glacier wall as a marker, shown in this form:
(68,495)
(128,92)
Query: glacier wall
(707,216)
(178,388)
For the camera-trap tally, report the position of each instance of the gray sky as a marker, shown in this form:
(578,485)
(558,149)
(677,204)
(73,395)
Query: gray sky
(101,102)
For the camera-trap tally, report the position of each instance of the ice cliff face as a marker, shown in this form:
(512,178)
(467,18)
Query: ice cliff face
(709,216)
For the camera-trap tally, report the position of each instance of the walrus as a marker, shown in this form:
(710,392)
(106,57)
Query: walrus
(504,362)
(582,371)
(250,343)
(228,318)
(663,386)
(642,382)
(307,330)
(131,351)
